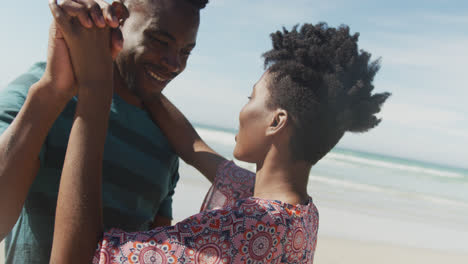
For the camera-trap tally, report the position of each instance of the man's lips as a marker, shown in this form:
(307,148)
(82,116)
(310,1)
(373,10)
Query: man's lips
(156,75)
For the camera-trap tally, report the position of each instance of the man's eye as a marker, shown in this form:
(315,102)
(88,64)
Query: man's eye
(186,52)
(249,97)
(160,41)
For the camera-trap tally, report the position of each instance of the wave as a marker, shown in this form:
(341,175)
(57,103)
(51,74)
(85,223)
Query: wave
(393,165)
(228,139)
(216,136)
(376,189)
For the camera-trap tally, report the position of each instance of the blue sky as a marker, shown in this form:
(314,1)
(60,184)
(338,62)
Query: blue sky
(423,46)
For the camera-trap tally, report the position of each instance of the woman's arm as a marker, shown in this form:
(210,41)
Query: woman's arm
(183,137)
(78,221)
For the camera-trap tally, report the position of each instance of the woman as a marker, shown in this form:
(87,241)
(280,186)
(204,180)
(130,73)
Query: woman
(317,85)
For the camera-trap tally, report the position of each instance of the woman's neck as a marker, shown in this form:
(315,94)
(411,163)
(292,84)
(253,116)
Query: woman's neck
(280,178)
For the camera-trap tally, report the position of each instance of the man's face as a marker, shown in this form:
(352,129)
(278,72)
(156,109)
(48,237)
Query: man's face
(158,38)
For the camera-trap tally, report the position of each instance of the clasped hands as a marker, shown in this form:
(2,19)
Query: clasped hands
(90,31)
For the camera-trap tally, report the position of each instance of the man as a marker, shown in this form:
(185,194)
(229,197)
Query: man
(36,113)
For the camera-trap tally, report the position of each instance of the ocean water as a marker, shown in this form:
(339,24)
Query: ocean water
(376,184)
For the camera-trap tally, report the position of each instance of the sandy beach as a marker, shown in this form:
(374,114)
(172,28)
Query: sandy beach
(353,236)
(350,236)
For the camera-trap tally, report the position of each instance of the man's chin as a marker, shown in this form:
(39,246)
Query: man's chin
(148,95)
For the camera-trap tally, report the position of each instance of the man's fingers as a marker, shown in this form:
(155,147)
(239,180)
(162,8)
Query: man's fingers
(94,11)
(115,14)
(116,42)
(96,14)
(77,10)
(62,19)
(109,14)
(121,10)
(57,12)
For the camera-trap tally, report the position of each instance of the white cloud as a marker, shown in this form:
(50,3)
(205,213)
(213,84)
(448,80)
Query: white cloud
(410,114)
(448,54)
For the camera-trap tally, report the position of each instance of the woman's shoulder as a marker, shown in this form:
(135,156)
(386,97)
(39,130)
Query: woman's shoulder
(229,172)
(232,183)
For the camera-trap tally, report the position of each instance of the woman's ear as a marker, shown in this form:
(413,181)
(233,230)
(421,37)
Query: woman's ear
(278,122)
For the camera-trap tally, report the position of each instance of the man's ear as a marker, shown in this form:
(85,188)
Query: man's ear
(278,122)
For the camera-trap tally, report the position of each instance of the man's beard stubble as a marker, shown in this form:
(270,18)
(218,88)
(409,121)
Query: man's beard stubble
(128,74)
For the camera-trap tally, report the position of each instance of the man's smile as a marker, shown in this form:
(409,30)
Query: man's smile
(156,75)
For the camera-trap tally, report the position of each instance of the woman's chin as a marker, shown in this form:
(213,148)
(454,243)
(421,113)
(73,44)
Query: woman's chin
(239,155)
(236,153)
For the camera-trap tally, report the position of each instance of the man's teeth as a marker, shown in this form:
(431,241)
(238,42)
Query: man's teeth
(157,77)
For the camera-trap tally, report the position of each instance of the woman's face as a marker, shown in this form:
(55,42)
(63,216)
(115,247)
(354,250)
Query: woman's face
(255,117)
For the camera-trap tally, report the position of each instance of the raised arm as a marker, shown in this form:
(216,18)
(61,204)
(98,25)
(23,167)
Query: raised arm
(183,137)
(78,221)
(25,122)
(28,122)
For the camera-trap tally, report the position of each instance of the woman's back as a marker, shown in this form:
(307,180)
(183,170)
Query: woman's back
(232,228)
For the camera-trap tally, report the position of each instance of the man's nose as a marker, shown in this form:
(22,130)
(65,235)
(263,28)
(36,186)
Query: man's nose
(172,63)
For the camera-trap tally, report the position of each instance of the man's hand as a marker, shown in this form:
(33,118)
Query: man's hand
(88,48)
(59,75)
(99,13)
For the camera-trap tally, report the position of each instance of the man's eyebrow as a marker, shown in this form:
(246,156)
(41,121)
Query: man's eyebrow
(164,33)
(169,36)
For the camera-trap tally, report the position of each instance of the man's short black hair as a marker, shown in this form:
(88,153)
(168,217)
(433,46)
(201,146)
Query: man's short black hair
(200,4)
(324,82)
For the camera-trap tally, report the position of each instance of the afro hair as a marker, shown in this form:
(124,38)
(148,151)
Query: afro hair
(325,83)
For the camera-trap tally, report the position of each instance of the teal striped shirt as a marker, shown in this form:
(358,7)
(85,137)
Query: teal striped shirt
(140,172)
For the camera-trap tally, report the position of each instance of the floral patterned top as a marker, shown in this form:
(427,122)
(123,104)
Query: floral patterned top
(233,227)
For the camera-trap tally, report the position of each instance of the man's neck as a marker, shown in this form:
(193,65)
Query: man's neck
(121,88)
(279,178)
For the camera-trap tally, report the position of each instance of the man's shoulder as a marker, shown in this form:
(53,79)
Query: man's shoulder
(19,87)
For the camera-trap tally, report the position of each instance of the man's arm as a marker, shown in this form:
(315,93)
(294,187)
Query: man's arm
(20,145)
(183,138)
(21,142)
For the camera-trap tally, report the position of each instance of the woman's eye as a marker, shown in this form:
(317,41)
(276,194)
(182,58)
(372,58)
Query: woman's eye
(249,97)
